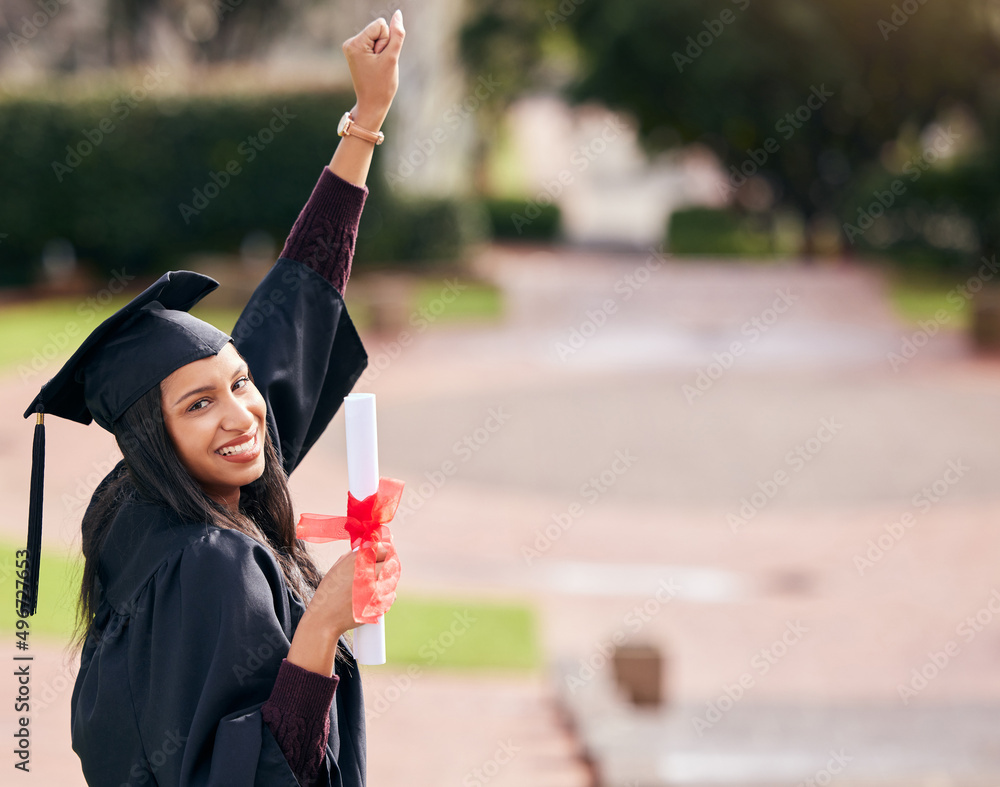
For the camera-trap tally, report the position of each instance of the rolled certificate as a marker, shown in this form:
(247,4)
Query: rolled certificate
(362,480)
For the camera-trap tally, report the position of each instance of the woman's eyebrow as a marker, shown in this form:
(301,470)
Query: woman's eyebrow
(203,389)
(241,369)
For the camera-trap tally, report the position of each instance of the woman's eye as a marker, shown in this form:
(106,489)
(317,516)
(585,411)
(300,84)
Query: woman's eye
(243,380)
(195,405)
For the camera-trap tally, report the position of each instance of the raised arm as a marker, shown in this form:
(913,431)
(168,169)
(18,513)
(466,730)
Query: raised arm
(373,57)
(295,333)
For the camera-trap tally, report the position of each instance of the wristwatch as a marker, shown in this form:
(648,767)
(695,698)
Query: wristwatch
(347,127)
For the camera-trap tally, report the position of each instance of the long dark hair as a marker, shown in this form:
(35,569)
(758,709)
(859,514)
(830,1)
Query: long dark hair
(151,471)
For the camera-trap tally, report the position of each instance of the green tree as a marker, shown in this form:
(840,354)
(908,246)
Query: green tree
(803,94)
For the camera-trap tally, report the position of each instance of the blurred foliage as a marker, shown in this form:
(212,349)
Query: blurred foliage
(509,220)
(137,185)
(712,231)
(938,218)
(424,229)
(802,96)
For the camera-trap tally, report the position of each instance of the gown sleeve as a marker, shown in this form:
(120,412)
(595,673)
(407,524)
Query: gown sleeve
(205,658)
(295,333)
(298,714)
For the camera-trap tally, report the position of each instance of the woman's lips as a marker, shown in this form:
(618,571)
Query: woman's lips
(245,452)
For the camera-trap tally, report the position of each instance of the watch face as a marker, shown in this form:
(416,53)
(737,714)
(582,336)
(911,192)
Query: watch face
(342,126)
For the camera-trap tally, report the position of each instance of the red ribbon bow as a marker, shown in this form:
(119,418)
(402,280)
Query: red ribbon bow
(365,525)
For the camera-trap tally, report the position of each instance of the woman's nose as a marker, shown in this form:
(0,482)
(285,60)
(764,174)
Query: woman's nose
(238,416)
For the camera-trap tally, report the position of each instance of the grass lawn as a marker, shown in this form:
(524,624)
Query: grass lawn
(36,338)
(474,634)
(59,586)
(921,298)
(478,301)
(429,632)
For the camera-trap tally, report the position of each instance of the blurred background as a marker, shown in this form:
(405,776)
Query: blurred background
(683,320)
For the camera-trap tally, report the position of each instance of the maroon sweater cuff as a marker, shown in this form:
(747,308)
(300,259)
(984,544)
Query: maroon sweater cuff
(298,714)
(324,235)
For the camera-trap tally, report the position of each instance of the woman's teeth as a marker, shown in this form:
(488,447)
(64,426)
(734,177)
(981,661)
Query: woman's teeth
(242,448)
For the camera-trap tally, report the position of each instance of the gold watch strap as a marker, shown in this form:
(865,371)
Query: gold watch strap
(353,129)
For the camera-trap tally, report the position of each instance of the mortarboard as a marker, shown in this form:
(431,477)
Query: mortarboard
(124,357)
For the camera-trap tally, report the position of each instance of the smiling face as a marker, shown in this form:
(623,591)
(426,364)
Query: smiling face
(215,417)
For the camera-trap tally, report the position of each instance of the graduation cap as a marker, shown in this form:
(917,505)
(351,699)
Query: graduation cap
(128,354)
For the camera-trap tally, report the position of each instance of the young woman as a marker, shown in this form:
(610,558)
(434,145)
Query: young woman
(211,645)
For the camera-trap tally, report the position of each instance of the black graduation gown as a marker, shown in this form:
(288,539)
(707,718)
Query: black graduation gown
(194,620)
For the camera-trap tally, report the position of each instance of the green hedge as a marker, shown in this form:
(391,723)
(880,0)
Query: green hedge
(513,219)
(934,218)
(135,179)
(711,231)
(425,229)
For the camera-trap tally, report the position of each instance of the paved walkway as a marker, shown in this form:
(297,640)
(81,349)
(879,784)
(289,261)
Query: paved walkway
(694,455)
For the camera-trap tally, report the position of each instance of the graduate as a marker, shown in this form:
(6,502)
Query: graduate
(212,647)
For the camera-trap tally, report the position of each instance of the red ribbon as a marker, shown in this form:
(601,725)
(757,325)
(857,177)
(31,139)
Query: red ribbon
(365,525)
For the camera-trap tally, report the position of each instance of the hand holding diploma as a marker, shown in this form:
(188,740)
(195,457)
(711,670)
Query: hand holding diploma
(372,502)
(330,614)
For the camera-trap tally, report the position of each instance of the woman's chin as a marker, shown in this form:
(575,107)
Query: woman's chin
(250,473)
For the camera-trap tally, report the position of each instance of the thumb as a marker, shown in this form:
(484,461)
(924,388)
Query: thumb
(396,34)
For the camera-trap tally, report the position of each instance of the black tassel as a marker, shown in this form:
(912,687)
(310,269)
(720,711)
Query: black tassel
(29,601)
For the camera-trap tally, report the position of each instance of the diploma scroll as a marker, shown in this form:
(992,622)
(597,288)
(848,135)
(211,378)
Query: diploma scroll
(371,504)
(362,481)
